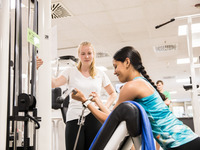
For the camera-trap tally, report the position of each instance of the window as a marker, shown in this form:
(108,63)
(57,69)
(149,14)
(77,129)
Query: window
(178,111)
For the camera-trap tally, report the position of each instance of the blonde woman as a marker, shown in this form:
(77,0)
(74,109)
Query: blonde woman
(87,78)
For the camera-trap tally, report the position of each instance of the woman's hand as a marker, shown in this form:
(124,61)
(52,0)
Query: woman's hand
(99,103)
(79,96)
(167,102)
(39,62)
(95,97)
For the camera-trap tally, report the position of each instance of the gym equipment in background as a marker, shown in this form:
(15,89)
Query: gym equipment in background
(193,68)
(22,113)
(60,99)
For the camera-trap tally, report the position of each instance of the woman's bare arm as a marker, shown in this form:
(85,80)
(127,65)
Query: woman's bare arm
(100,115)
(167,102)
(56,82)
(99,103)
(112,95)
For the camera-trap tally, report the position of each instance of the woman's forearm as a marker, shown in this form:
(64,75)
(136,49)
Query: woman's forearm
(56,82)
(102,107)
(111,99)
(53,83)
(100,115)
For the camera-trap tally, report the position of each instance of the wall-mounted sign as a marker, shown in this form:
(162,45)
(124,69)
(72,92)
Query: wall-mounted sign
(33,38)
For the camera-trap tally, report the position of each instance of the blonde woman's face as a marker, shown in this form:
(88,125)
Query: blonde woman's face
(86,54)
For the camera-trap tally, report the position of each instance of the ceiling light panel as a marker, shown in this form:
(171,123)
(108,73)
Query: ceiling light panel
(182,30)
(186,60)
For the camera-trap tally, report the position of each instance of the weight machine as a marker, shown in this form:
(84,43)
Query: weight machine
(21,107)
(193,67)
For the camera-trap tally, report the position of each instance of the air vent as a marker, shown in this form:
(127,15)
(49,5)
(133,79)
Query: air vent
(59,11)
(102,54)
(169,77)
(165,48)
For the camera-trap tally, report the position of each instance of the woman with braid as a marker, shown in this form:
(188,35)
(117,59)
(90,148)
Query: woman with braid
(168,131)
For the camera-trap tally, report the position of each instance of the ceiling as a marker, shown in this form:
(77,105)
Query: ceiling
(112,24)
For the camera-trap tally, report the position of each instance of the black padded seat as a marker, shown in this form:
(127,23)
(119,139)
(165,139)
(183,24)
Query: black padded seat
(127,112)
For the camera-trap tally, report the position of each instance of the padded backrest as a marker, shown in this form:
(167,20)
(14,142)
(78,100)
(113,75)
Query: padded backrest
(127,112)
(56,92)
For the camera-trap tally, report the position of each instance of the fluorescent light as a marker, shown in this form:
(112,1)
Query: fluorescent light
(180,100)
(196,28)
(186,60)
(102,68)
(173,100)
(182,80)
(182,30)
(173,92)
(196,40)
(13,4)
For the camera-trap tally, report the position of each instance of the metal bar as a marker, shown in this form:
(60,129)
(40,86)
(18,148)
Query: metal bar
(195,102)
(43,96)
(17,85)
(33,74)
(26,140)
(29,55)
(17,52)
(177,18)
(20,47)
(9,87)
(188,16)
(17,62)
(33,79)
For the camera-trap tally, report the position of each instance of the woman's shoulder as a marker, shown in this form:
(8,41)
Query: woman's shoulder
(135,85)
(139,88)
(132,84)
(130,90)
(68,70)
(100,72)
(72,68)
(136,82)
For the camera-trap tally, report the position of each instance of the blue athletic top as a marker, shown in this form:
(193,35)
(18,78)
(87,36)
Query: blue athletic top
(168,131)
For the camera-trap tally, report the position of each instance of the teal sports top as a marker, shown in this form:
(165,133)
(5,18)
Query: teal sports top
(168,131)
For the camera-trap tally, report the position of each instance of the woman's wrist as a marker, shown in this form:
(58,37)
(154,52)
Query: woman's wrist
(86,103)
(98,103)
(84,100)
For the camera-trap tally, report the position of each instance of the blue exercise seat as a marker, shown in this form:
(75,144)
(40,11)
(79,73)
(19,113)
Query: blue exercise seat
(126,125)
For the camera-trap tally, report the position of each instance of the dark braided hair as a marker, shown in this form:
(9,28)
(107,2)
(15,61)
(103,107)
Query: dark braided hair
(136,61)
